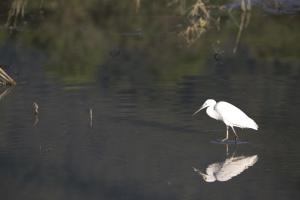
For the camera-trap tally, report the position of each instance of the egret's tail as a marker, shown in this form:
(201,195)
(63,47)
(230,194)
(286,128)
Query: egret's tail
(253,125)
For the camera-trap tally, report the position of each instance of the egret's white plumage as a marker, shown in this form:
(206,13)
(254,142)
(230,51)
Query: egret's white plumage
(231,167)
(229,114)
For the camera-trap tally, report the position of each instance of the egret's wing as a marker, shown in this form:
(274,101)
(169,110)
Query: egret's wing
(233,115)
(234,166)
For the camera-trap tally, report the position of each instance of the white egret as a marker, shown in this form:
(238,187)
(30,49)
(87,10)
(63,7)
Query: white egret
(226,170)
(229,114)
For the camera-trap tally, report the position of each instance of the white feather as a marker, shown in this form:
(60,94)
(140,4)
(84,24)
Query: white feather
(226,170)
(233,116)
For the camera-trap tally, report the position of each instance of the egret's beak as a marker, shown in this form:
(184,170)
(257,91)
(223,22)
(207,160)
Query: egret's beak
(202,107)
(199,172)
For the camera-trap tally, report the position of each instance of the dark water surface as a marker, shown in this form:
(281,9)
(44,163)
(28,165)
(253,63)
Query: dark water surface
(117,84)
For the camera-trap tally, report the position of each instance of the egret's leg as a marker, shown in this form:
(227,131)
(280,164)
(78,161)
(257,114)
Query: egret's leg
(236,136)
(226,134)
(227,150)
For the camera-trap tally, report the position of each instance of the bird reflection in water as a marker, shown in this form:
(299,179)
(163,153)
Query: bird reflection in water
(226,170)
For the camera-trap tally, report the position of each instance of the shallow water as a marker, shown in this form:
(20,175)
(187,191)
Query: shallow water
(132,69)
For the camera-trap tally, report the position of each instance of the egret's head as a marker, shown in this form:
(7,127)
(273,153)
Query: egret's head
(206,178)
(207,103)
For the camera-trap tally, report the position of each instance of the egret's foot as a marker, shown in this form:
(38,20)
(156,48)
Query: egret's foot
(236,139)
(230,142)
(224,139)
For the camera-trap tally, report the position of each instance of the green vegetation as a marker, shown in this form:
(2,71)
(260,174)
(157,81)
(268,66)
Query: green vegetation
(167,40)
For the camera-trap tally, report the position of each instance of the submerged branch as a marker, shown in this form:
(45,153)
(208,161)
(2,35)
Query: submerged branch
(5,79)
(17,10)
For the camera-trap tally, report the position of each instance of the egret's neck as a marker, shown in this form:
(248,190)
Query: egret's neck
(212,113)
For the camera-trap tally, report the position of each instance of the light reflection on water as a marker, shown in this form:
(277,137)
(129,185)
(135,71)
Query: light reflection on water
(144,140)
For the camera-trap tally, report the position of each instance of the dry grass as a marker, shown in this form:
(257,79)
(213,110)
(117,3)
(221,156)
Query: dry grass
(199,20)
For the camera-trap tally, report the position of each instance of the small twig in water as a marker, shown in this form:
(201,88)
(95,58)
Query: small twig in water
(35,112)
(91,117)
(35,108)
